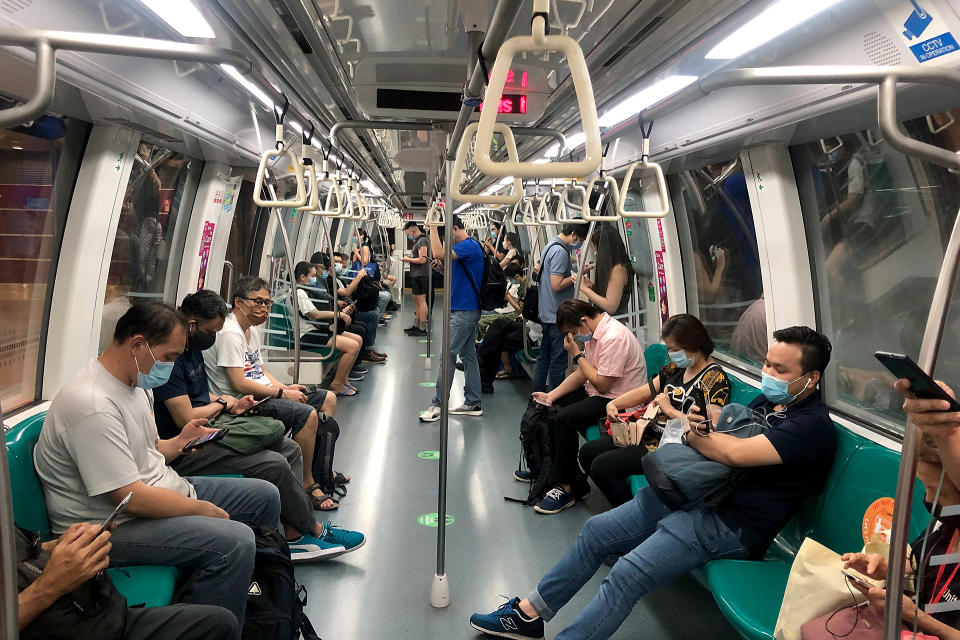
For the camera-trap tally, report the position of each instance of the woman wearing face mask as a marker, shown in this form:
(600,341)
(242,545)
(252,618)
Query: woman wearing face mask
(692,373)
(610,288)
(511,248)
(611,363)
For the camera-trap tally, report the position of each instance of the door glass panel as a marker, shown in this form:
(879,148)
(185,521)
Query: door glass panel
(38,171)
(877,225)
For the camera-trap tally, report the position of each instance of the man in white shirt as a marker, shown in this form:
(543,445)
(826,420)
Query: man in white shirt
(99,443)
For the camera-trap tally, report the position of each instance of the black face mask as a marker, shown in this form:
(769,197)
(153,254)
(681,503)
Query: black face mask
(951,521)
(201,340)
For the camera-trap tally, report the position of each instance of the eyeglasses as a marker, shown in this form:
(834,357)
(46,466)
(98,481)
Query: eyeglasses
(260,302)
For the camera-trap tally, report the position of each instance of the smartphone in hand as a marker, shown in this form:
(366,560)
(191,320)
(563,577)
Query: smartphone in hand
(205,440)
(921,384)
(852,577)
(116,512)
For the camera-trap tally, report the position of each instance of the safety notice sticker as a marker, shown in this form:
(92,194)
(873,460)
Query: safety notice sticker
(924,27)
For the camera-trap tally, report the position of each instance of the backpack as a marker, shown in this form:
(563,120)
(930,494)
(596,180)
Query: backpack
(367,294)
(94,610)
(275,601)
(684,479)
(531,305)
(322,464)
(493,285)
(538,446)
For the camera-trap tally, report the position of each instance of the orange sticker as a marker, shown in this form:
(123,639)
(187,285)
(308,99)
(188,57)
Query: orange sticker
(878,519)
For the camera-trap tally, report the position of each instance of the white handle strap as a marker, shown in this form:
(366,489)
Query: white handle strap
(333,205)
(612,193)
(650,178)
(456,176)
(435,215)
(267,158)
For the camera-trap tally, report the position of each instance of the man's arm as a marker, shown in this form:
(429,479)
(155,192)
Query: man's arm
(182,410)
(157,502)
(571,383)
(559,283)
(599,382)
(241,384)
(757,451)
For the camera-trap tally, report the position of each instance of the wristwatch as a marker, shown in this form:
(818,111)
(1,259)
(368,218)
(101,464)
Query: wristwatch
(577,357)
(222,403)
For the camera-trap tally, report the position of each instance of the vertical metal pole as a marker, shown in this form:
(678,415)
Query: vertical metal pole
(428,362)
(932,336)
(8,560)
(295,320)
(583,256)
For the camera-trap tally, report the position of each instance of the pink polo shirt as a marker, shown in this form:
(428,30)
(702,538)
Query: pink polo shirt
(616,353)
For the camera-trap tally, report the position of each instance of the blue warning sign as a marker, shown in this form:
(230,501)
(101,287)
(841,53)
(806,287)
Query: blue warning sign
(935,47)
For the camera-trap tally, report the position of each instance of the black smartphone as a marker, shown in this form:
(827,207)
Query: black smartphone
(116,512)
(205,440)
(921,384)
(249,411)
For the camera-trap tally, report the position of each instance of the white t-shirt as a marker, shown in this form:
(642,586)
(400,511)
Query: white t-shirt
(306,305)
(232,349)
(99,435)
(514,290)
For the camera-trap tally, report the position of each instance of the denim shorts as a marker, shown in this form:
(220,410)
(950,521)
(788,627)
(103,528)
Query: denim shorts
(293,415)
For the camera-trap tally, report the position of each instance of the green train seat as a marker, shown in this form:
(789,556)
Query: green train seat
(279,332)
(144,585)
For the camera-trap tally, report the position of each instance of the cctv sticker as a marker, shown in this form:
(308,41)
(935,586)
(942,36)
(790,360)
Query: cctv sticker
(878,521)
(922,27)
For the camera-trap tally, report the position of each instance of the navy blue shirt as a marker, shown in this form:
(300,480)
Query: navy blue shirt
(469,260)
(767,497)
(189,378)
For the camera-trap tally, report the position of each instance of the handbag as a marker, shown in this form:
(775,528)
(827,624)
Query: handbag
(629,431)
(249,434)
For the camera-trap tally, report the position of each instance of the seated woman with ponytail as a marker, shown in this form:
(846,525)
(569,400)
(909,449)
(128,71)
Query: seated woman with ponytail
(692,371)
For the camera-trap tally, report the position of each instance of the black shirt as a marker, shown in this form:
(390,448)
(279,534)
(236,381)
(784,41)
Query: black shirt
(767,497)
(713,384)
(189,378)
(937,545)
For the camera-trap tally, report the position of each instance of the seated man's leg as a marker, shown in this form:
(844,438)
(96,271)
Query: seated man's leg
(180,622)
(323,401)
(558,360)
(544,363)
(683,541)
(577,410)
(369,320)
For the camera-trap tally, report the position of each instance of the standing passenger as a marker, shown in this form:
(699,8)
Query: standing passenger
(419,275)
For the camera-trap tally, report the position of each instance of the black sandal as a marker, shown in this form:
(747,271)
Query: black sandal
(319,500)
(340,491)
(339,478)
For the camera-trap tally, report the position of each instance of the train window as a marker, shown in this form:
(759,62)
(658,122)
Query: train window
(38,170)
(141,266)
(719,245)
(246,234)
(877,225)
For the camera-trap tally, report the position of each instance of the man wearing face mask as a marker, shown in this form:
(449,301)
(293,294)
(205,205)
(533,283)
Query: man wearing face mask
(369,319)
(186,396)
(611,364)
(99,443)
(419,261)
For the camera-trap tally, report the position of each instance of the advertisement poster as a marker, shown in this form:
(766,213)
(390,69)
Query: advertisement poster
(662,284)
(205,242)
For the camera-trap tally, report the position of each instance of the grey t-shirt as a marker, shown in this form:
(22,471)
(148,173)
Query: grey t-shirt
(420,270)
(99,435)
(554,260)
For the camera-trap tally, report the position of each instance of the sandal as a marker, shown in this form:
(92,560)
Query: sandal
(349,391)
(319,500)
(339,478)
(504,374)
(340,491)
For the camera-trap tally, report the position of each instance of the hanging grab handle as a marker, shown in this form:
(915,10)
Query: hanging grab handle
(524,208)
(574,196)
(271,155)
(333,203)
(456,175)
(539,42)
(435,215)
(650,177)
(612,192)
(310,179)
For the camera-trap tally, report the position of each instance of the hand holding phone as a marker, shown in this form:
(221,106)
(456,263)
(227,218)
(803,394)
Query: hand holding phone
(921,384)
(116,512)
(193,445)
(854,578)
(251,410)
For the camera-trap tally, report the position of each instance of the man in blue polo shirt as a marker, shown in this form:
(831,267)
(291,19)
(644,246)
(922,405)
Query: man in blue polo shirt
(467,257)
(783,467)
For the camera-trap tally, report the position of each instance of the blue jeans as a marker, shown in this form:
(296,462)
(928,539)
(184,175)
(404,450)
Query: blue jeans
(552,361)
(463,331)
(660,545)
(383,300)
(218,553)
(369,319)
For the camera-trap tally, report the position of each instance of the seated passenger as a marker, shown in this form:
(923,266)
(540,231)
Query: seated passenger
(513,307)
(370,318)
(235,367)
(313,336)
(69,568)
(611,364)
(784,467)
(186,396)
(363,259)
(610,289)
(511,246)
(505,335)
(935,585)
(691,371)
(99,443)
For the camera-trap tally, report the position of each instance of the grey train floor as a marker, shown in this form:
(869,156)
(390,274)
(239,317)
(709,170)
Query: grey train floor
(493,547)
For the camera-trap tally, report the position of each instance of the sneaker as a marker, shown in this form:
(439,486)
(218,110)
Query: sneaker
(393,306)
(555,501)
(524,475)
(345,538)
(430,415)
(508,622)
(311,549)
(413,328)
(358,369)
(467,410)
(417,332)
(355,377)
(382,323)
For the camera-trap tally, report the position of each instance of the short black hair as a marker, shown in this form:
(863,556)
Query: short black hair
(457,222)
(153,320)
(689,333)
(815,346)
(496,224)
(204,305)
(338,254)
(410,223)
(570,227)
(302,269)
(247,285)
(571,311)
(512,270)
(321,258)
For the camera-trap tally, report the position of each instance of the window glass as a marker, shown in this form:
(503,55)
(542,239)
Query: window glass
(38,170)
(877,224)
(246,232)
(719,245)
(141,259)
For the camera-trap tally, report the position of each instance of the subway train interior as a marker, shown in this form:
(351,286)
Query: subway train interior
(704,176)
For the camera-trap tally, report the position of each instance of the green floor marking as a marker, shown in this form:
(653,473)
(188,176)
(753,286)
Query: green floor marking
(429,455)
(433,520)
(427,355)
(423,341)
(428,384)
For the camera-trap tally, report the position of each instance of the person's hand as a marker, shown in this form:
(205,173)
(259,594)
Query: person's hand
(194,429)
(297,387)
(930,416)
(344,316)
(81,553)
(695,416)
(542,398)
(570,344)
(585,283)
(613,412)
(241,405)
(878,602)
(211,510)
(587,268)
(293,394)
(663,401)
(872,565)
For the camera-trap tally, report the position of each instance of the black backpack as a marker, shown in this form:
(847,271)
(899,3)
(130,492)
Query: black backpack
(538,447)
(492,291)
(275,601)
(367,294)
(531,305)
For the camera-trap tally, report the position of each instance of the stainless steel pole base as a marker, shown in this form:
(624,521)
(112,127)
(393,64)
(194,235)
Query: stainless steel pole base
(440,592)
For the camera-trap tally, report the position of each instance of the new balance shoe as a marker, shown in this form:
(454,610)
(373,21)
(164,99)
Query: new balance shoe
(311,549)
(349,540)
(430,415)
(467,410)
(524,475)
(555,501)
(508,622)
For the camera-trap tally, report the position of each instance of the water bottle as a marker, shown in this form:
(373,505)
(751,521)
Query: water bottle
(673,430)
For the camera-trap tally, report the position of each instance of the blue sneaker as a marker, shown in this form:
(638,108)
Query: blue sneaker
(311,549)
(508,622)
(524,475)
(349,540)
(555,501)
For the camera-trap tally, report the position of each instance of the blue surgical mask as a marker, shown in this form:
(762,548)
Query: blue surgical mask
(833,157)
(313,280)
(776,390)
(409,237)
(584,338)
(337,268)
(681,359)
(159,373)
(577,246)
(493,233)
